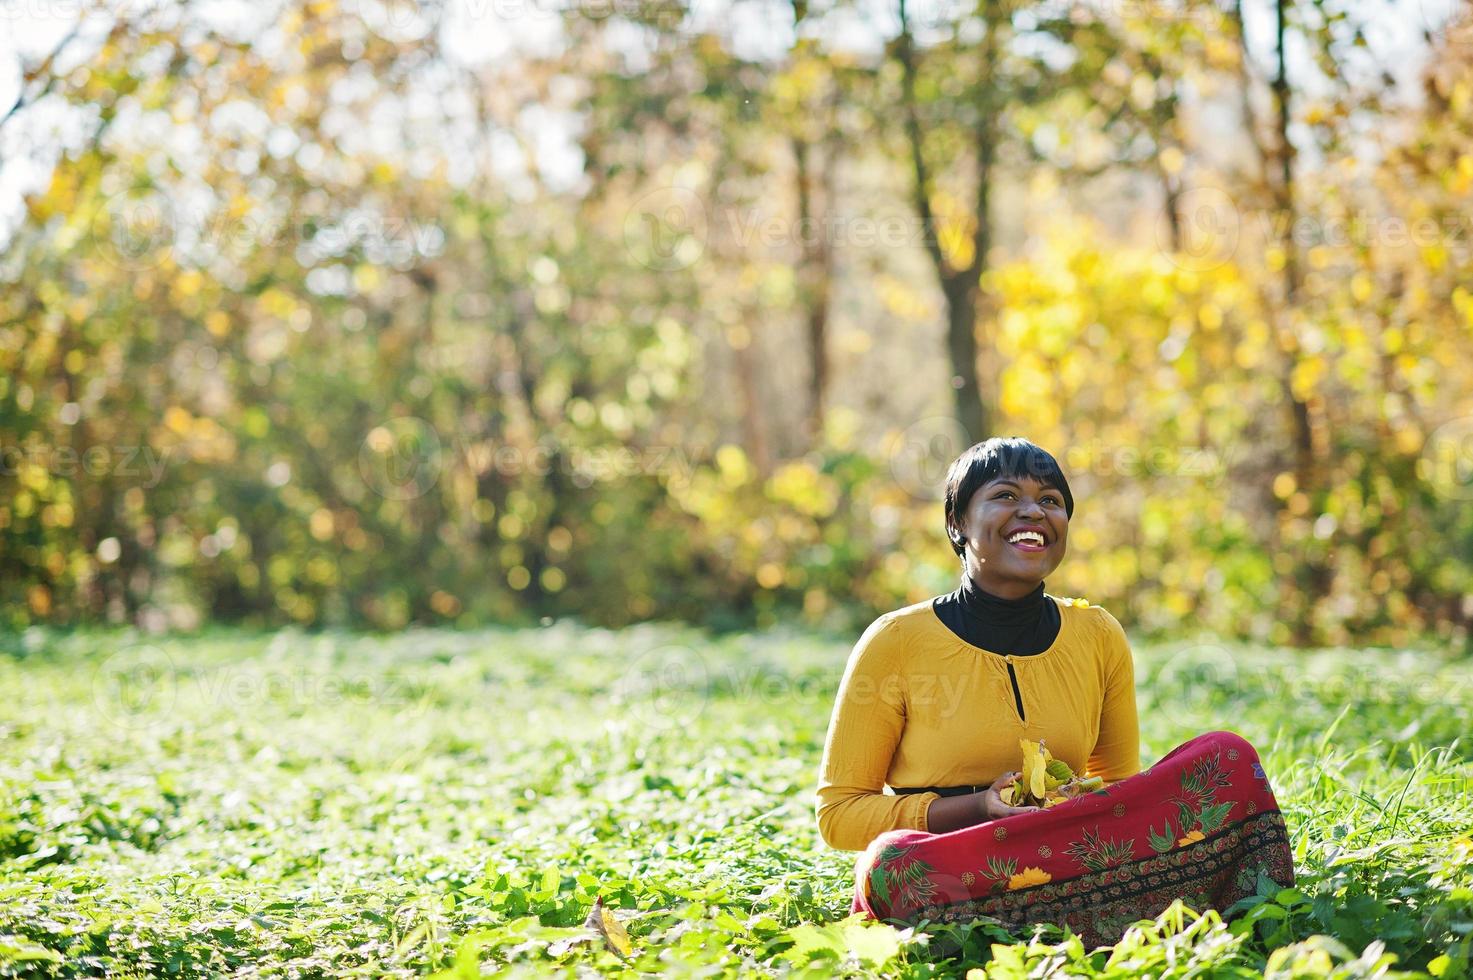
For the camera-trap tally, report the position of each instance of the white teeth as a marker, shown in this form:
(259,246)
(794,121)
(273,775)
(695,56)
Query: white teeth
(1033,536)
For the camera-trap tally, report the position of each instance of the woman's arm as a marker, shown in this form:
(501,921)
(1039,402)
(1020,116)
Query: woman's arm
(864,729)
(1117,751)
(948,813)
(955,812)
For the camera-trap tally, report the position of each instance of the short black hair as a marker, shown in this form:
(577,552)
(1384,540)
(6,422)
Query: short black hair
(998,458)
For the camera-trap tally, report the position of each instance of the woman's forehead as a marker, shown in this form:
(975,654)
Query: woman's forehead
(1019,479)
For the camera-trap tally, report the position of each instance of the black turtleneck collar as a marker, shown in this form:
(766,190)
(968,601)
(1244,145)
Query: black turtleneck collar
(1021,627)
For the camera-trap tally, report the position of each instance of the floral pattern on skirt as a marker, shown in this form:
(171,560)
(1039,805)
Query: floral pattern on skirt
(1200,825)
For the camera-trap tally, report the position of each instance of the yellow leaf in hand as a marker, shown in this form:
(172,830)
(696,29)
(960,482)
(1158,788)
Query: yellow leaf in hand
(1034,768)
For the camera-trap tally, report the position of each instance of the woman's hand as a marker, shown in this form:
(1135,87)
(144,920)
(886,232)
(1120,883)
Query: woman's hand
(993,808)
(948,813)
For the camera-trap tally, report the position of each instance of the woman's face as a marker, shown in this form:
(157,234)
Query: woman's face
(1016,530)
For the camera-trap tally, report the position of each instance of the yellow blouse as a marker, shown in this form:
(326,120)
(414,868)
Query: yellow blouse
(920,706)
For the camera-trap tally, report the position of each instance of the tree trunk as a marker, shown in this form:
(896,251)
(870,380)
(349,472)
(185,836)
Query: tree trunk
(961,287)
(754,430)
(961,349)
(1312,576)
(815,277)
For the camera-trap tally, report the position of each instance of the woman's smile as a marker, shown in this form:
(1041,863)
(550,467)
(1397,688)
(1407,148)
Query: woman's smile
(1028,540)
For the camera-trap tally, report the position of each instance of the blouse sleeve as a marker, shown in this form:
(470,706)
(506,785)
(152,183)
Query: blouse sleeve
(864,729)
(1117,751)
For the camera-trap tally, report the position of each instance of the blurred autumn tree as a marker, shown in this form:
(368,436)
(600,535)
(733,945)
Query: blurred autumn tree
(326,315)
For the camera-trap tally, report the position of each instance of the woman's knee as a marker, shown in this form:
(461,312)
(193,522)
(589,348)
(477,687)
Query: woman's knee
(1233,741)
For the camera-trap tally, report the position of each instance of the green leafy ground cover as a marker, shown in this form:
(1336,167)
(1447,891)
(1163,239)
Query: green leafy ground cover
(429,802)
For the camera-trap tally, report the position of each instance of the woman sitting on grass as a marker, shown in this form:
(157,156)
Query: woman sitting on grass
(936,703)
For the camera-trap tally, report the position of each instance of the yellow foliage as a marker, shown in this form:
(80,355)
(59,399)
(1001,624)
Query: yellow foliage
(321,524)
(800,484)
(733,466)
(955,226)
(178,420)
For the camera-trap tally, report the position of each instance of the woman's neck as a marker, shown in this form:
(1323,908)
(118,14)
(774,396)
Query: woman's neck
(995,609)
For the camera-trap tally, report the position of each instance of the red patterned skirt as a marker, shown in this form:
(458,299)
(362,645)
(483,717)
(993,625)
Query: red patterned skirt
(1200,825)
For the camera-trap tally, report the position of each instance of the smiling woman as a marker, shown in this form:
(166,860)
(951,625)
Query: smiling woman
(933,706)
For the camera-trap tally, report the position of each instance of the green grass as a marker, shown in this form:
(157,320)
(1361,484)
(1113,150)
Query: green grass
(302,805)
